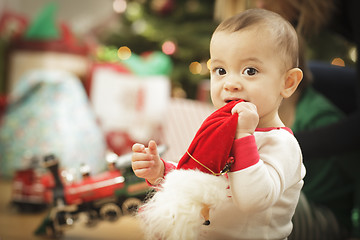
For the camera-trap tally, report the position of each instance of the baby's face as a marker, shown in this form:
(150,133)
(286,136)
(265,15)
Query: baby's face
(245,65)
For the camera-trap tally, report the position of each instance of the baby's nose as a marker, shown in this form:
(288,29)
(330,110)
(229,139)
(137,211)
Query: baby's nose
(232,85)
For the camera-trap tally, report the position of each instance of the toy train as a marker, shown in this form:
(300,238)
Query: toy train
(32,188)
(105,196)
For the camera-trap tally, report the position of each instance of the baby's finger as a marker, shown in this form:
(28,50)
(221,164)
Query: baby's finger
(137,147)
(142,165)
(243,106)
(237,108)
(137,156)
(152,147)
(252,107)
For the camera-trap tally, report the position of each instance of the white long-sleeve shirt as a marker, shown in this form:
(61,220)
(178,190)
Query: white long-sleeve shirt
(265,184)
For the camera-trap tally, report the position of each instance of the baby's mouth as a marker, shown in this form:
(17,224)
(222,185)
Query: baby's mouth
(232,99)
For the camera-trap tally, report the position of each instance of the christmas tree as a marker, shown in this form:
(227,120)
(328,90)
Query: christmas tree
(180,28)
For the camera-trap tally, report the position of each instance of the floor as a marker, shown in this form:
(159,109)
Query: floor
(18,226)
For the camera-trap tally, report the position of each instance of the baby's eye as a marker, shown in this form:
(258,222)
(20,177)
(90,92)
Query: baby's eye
(220,71)
(250,71)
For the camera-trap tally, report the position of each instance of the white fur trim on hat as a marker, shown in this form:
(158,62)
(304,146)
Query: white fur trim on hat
(174,210)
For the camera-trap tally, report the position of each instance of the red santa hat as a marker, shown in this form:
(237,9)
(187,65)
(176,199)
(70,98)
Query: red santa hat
(174,211)
(210,149)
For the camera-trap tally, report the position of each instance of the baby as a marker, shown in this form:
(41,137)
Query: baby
(254,58)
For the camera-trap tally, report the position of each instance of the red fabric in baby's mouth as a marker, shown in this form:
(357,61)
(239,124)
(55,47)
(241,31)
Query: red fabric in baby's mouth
(210,149)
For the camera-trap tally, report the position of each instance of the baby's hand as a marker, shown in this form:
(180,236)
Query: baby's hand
(248,118)
(146,162)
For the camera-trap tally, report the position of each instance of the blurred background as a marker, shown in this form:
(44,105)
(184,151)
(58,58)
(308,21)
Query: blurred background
(179,28)
(82,79)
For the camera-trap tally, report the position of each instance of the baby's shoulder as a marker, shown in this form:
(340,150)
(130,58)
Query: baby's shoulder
(276,137)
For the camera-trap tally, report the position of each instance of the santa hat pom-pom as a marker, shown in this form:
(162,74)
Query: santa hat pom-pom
(174,211)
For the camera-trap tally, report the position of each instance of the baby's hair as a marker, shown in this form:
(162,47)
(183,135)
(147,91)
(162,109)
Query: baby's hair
(283,32)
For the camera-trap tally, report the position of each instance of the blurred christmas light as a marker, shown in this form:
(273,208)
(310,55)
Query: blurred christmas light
(124,53)
(119,6)
(338,62)
(178,92)
(208,63)
(168,47)
(353,54)
(150,32)
(195,67)
(157,4)
(107,53)
(134,11)
(139,26)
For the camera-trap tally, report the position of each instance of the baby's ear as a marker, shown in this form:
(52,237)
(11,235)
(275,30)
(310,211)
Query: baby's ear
(292,80)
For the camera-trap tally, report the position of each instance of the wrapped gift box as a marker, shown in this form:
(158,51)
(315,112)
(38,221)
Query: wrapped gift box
(48,112)
(130,108)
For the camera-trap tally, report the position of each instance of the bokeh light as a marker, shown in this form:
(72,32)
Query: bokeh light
(208,64)
(353,54)
(134,11)
(195,67)
(338,62)
(139,26)
(168,47)
(124,53)
(119,6)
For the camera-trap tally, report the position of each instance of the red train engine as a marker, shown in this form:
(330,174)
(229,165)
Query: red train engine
(32,187)
(104,196)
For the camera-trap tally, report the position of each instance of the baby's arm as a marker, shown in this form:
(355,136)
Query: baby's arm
(248,165)
(261,175)
(146,162)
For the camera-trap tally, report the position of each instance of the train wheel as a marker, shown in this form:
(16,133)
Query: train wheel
(110,211)
(130,206)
